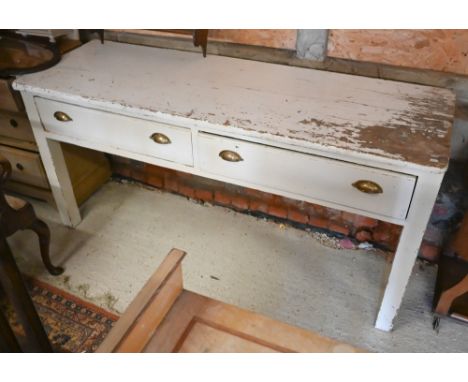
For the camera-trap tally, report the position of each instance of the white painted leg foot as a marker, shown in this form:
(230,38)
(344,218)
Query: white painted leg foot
(421,207)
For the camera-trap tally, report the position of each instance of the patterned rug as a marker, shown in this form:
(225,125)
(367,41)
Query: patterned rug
(72,324)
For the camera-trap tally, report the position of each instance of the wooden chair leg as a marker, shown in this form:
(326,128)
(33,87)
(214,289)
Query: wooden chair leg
(447,297)
(8,341)
(43,232)
(15,289)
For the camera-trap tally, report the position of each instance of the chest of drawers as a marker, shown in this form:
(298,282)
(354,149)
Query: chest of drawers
(367,146)
(88,169)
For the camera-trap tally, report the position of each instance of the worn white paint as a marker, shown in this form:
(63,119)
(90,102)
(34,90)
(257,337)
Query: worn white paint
(322,109)
(408,247)
(307,175)
(349,127)
(55,167)
(126,133)
(221,177)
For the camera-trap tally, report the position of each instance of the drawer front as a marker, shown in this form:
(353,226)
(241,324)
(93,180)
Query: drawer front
(118,131)
(16,126)
(26,166)
(10,100)
(307,175)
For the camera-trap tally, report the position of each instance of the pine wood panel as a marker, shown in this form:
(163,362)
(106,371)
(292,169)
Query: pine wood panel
(165,318)
(162,289)
(199,323)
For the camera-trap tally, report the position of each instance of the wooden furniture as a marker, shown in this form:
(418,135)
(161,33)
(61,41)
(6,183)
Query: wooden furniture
(367,146)
(14,287)
(17,214)
(199,36)
(88,169)
(164,317)
(20,55)
(451,292)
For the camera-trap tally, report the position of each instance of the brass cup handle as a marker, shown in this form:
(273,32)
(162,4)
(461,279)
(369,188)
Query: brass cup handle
(368,186)
(230,156)
(160,138)
(62,117)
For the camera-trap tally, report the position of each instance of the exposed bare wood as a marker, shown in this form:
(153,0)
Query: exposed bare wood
(393,130)
(232,329)
(386,119)
(448,296)
(158,294)
(456,82)
(195,323)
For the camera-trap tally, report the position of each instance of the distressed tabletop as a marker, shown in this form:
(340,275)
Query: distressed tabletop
(393,120)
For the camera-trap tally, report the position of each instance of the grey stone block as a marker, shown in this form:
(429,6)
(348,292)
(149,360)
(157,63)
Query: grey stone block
(311,44)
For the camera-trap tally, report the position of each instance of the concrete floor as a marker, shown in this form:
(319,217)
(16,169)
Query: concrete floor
(260,265)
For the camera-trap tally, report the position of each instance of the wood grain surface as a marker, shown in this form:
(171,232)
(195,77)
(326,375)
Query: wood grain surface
(388,119)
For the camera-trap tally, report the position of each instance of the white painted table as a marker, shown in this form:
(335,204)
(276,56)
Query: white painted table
(301,133)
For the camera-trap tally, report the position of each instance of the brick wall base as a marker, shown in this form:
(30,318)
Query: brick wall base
(382,234)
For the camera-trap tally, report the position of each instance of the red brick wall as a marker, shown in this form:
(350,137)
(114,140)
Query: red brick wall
(248,200)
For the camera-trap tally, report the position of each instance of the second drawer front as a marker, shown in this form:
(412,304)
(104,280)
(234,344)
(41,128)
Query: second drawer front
(118,131)
(26,166)
(16,126)
(307,175)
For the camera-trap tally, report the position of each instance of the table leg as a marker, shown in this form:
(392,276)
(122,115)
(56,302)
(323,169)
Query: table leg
(15,289)
(55,167)
(424,197)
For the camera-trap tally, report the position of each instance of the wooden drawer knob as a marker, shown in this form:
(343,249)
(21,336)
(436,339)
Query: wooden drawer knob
(368,187)
(230,156)
(160,139)
(62,117)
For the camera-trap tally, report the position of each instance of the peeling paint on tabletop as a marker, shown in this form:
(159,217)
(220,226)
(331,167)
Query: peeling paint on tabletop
(387,119)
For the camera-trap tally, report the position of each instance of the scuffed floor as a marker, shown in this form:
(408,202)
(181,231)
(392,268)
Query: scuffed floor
(269,268)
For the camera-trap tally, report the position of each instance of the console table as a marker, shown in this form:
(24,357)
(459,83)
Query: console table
(368,146)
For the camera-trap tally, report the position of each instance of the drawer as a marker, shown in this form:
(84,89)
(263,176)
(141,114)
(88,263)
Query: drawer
(10,100)
(16,126)
(26,166)
(118,131)
(311,176)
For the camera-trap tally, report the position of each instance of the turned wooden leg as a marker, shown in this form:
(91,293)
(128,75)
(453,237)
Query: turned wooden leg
(15,289)
(43,232)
